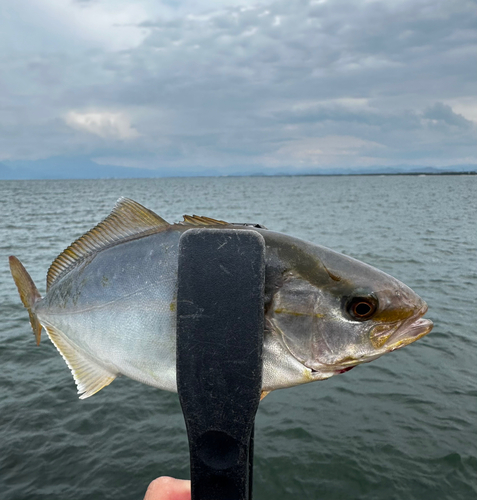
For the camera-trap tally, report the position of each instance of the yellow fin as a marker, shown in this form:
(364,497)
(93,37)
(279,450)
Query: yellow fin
(89,376)
(198,220)
(28,293)
(263,394)
(128,220)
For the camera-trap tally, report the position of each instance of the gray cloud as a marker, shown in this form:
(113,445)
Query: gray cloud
(443,114)
(234,86)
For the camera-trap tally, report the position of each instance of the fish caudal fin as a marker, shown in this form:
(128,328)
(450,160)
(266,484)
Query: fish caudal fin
(89,376)
(28,293)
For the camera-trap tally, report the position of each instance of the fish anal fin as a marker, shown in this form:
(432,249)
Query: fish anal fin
(127,220)
(89,376)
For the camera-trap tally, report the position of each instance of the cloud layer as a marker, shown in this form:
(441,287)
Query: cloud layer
(231,85)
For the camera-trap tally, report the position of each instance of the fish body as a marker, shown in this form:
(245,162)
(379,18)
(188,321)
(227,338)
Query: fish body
(110,306)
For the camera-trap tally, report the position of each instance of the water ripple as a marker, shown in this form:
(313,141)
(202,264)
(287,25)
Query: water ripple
(401,427)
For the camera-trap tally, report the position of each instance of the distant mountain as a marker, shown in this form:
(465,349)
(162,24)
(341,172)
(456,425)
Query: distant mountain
(79,168)
(85,168)
(394,170)
(5,172)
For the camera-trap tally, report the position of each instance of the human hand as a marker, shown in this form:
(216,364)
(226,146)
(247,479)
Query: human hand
(168,488)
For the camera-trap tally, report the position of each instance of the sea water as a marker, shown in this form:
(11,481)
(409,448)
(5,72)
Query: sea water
(401,427)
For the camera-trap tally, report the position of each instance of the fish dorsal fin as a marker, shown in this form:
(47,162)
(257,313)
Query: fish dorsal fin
(89,376)
(198,220)
(127,220)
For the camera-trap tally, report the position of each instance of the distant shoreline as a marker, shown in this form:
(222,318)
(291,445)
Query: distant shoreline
(393,173)
(338,174)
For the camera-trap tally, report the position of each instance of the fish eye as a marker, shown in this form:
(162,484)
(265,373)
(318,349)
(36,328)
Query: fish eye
(362,308)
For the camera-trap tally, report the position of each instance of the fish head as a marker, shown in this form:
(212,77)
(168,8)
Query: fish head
(332,312)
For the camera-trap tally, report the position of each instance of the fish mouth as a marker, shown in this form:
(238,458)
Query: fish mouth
(400,336)
(388,338)
(384,337)
(409,331)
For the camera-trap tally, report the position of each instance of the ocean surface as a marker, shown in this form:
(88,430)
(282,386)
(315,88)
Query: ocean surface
(401,427)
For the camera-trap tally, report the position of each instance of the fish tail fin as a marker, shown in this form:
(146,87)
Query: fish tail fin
(28,293)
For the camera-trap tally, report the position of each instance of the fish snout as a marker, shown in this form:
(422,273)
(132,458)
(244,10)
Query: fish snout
(411,329)
(398,304)
(399,321)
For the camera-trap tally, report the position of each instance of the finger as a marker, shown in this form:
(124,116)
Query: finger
(168,488)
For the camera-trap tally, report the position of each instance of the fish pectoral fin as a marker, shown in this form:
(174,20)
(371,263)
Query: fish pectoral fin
(89,376)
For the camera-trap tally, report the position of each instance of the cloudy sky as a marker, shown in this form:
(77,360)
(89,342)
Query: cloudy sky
(238,85)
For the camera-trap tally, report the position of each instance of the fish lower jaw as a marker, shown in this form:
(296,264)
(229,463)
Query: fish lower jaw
(408,334)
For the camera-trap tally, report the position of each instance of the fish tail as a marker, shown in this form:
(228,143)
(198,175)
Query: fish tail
(28,293)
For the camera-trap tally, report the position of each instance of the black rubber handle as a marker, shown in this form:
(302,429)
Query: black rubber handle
(220,322)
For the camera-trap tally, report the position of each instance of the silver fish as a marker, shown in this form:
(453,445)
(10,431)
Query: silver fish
(111,301)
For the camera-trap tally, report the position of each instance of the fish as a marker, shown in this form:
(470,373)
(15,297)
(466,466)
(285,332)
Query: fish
(111,300)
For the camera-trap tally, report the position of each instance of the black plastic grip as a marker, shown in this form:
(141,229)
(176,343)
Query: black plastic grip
(220,322)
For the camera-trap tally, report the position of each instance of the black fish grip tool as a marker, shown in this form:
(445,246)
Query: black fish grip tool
(220,322)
